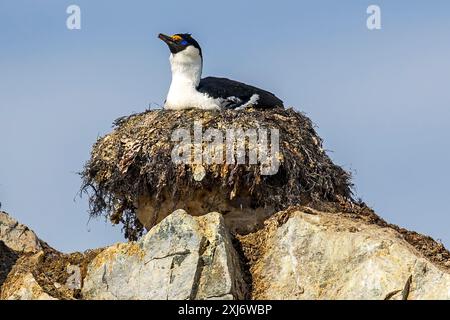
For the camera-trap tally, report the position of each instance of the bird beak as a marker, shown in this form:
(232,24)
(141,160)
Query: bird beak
(168,40)
(174,46)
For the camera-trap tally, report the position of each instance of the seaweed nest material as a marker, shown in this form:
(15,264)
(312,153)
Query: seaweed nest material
(136,160)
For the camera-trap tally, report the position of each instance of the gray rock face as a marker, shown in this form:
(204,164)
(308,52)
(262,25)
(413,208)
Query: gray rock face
(240,216)
(16,236)
(15,239)
(297,255)
(8,258)
(183,257)
(325,256)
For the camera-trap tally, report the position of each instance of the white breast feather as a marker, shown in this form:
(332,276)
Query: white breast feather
(186,73)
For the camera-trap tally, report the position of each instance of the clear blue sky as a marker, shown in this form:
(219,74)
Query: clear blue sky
(380,99)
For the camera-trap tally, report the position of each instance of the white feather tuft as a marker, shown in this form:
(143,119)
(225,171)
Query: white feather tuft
(251,102)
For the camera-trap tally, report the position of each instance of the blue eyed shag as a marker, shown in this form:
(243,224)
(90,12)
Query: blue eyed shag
(187,89)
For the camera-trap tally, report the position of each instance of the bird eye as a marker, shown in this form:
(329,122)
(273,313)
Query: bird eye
(184,42)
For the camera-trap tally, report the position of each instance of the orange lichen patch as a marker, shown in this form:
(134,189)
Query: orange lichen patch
(111,253)
(356,219)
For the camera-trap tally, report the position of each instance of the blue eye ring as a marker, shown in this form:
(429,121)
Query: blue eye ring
(184,42)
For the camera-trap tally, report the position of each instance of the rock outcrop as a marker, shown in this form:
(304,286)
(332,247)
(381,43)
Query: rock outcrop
(22,284)
(18,237)
(17,240)
(31,270)
(315,255)
(300,253)
(182,258)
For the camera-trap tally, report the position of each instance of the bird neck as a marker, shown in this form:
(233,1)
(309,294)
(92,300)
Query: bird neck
(186,69)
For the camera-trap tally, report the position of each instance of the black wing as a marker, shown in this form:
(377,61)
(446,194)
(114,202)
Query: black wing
(226,88)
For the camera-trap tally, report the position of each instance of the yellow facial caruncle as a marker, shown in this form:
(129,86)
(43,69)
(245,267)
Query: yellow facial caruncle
(176,37)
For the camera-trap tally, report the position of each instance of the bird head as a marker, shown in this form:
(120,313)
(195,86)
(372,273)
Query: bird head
(180,42)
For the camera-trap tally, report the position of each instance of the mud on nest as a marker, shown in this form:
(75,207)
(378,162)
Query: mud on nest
(135,160)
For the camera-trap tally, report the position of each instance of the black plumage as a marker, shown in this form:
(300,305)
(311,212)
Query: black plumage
(226,89)
(228,94)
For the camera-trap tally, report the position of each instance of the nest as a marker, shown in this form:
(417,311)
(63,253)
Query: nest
(136,160)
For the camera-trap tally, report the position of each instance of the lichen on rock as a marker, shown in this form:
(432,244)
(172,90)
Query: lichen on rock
(300,253)
(308,254)
(182,258)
